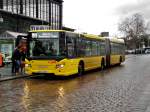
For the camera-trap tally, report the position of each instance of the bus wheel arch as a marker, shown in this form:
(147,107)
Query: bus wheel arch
(81,68)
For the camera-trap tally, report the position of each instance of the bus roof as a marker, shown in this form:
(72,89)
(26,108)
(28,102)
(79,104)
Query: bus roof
(85,35)
(93,36)
(116,40)
(46,31)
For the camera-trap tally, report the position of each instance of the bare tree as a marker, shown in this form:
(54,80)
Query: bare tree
(133,27)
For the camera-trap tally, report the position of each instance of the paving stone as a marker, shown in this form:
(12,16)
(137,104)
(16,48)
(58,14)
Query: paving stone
(124,88)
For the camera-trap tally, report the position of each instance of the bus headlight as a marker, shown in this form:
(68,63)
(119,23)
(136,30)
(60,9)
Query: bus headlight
(60,66)
(28,65)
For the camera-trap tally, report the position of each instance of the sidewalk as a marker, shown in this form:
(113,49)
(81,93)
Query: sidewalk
(5,74)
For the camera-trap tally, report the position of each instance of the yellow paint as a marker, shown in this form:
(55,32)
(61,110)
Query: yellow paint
(115,59)
(70,66)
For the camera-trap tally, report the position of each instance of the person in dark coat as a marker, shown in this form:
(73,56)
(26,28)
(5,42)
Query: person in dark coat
(16,60)
(23,56)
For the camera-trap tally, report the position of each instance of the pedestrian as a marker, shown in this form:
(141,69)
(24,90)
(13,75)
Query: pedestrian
(16,60)
(23,56)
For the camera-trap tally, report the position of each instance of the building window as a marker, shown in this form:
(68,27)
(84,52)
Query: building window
(46,10)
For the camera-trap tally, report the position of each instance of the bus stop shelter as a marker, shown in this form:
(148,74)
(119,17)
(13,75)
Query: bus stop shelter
(7,42)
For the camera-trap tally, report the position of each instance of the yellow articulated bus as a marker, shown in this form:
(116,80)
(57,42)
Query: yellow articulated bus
(64,53)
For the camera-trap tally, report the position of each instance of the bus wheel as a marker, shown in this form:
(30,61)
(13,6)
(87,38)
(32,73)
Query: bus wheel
(80,68)
(102,65)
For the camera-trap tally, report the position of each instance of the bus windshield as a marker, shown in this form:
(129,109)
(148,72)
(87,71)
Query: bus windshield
(44,44)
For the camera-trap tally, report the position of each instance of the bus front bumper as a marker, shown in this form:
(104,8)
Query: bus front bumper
(57,72)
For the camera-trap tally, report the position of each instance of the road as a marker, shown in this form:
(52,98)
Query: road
(124,88)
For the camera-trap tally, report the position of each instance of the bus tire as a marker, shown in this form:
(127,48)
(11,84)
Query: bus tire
(102,64)
(81,68)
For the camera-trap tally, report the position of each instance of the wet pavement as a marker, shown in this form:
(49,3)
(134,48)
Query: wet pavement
(5,73)
(124,88)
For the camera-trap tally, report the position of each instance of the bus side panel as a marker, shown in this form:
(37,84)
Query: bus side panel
(117,53)
(71,65)
(70,68)
(92,62)
(115,59)
(89,64)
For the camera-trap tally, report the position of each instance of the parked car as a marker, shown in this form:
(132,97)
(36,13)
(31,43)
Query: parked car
(138,51)
(147,51)
(130,51)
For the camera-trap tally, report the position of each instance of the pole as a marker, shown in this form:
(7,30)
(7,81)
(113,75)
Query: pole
(1,22)
(17,15)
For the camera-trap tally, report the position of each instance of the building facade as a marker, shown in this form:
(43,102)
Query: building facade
(18,15)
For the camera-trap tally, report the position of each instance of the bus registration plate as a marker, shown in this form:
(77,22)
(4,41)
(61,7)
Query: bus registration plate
(41,66)
(42,71)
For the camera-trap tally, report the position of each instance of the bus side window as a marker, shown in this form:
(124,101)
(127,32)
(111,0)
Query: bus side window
(63,49)
(81,46)
(71,46)
(102,48)
(88,48)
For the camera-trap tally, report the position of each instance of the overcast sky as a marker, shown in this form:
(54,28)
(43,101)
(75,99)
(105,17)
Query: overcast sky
(95,16)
